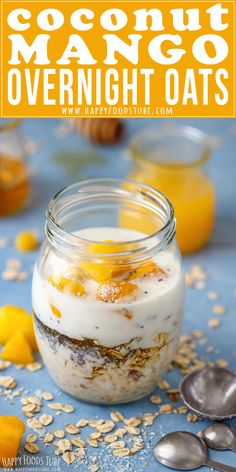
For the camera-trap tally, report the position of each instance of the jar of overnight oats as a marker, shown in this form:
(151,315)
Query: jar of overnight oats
(107,297)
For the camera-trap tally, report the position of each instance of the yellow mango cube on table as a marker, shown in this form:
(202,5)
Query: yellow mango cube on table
(11,432)
(12,319)
(17,350)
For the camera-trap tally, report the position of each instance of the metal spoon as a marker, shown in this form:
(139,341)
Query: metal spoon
(185,451)
(210,392)
(220,436)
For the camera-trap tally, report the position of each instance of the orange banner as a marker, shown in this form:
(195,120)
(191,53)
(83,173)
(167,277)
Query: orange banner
(129,58)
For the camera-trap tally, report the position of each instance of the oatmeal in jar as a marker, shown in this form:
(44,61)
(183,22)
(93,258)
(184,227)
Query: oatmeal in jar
(107,300)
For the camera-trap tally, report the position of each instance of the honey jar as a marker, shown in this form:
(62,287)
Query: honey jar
(14,179)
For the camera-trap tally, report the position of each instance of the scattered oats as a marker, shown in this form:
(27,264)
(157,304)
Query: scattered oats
(173,394)
(9,275)
(213,295)
(46,419)
(182,410)
(55,406)
(81,423)
(96,435)
(110,438)
(22,276)
(198,364)
(59,433)
(48,438)
(210,349)
(120,432)
(31,400)
(148,419)
(166,408)
(34,366)
(33,423)
(94,468)
(32,448)
(69,457)
(4,364)
(155,399)
(47,396)
(213,323)
(219,309)
(222,363)
(7,382)
(80,452)
(197,334)
(200,285)
(31,438)
(192,418)
(68,408)
(63,445)
(117,445)
(132,430)
(116,416)
(71,429)
(3,242)
(106,427)
(78,442)
(203,341)
(188,280)
(163,385)
(200,434)
(92,442)
(133,421)
(95,423)
(121,452)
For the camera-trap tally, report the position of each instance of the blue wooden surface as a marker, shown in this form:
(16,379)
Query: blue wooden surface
(218,259)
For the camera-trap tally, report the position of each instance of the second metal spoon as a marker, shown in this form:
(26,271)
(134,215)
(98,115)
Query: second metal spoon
(185,451)
(220,436)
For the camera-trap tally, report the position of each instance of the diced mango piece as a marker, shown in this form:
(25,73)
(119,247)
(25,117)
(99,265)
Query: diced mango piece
(17,350)
(114,291)
(12,319)
(66,285)
(55,311)
(105,269)
(26,241)
(12,430)
(147,270)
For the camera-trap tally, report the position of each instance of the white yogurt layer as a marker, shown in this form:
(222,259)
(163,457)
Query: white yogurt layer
(157,308)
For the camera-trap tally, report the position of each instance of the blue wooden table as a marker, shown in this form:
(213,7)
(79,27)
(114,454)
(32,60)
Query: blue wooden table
(218,259)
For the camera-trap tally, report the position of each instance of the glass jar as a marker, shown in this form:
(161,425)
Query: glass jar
(173,160)
(108,299)
(14,179)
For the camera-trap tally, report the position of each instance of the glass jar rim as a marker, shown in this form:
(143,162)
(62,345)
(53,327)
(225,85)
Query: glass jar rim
(9,123)
(57,232)
(189,132)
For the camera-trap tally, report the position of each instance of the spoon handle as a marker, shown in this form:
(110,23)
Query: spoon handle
(220,467)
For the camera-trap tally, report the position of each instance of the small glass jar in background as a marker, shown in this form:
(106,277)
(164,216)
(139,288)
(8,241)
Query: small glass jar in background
(172,159)
(14,179)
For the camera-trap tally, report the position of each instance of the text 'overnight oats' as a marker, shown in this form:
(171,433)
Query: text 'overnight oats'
(107,331)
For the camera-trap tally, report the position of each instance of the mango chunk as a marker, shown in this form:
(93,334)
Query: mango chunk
(17,350)
(105,269)
(147,270)
(55,311)
(67,285)
(26,241)
(12,430)
(12,319)
(114,291)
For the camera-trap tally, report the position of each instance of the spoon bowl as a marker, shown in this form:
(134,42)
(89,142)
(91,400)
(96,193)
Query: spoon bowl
(210,392)
(173,451)
(184,451)
(220,436)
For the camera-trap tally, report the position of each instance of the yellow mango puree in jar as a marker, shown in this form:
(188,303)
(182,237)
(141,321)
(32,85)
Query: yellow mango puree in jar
(172,161)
